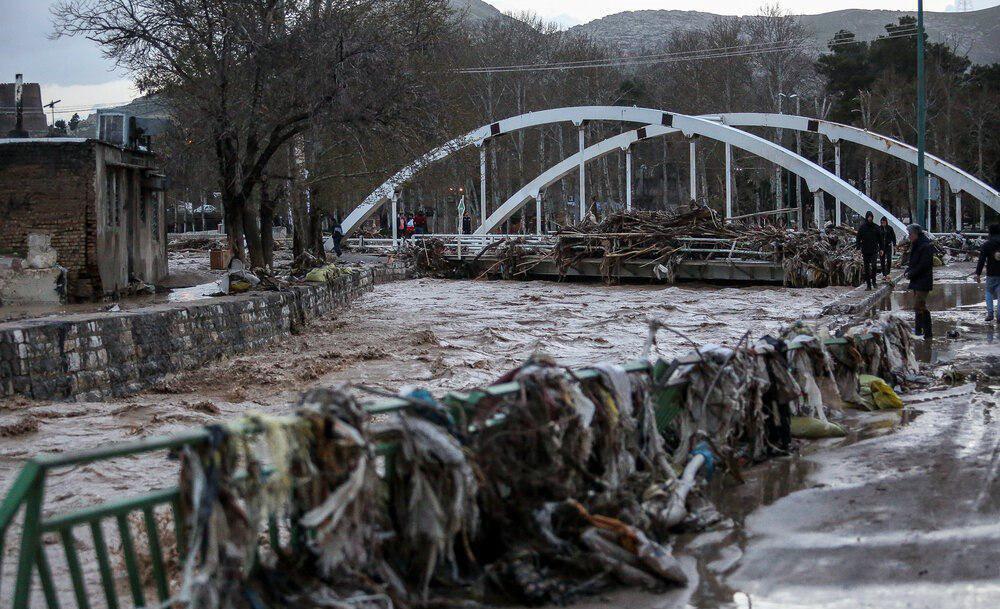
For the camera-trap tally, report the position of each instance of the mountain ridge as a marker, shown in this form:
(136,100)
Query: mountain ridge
(970,33)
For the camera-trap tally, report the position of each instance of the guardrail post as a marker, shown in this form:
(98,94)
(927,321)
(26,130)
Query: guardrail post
(30,542)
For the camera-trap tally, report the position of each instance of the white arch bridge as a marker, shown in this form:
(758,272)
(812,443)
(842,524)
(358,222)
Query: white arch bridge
(723,128)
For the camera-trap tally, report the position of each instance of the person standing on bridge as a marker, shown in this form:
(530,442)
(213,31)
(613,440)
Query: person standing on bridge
(989,257)
(920,272)
(337,233)
(869,241)
(420,222)
(886,243)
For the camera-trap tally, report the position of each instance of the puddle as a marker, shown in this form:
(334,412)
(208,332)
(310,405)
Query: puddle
(195,292)
(954,298)
(719,549)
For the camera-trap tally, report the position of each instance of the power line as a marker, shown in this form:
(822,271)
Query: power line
(676,57)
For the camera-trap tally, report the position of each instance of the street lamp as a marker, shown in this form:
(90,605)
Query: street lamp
(921,119)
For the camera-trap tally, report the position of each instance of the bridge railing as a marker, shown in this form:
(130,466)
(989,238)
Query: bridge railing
(701,248)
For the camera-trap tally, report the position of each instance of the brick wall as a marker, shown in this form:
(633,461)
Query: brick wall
(98,355)
(49,187)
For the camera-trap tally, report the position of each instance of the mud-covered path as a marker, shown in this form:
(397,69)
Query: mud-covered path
(904,513)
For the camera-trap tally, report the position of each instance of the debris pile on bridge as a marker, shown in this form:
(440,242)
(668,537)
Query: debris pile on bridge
(811,258)
(561,485)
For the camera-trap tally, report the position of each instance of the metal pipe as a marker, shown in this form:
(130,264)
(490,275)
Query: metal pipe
(819,208)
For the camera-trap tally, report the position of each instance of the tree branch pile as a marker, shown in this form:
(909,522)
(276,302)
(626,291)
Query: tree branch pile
(811,258)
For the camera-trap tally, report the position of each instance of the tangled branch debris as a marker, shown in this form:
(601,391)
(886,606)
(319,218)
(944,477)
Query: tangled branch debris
(811,258)
(564,487)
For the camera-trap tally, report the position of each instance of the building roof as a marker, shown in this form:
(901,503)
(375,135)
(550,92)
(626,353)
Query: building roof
(43,140)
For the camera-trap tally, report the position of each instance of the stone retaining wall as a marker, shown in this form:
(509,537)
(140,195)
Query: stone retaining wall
(97,355)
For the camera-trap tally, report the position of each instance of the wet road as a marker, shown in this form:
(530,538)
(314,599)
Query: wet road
(903,513)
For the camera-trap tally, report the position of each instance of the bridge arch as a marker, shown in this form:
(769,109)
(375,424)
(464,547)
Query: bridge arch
(575,114)
(817,178)
(958,179)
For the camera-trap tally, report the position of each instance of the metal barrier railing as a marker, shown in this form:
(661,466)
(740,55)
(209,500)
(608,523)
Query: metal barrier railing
(703,248)
(27,496)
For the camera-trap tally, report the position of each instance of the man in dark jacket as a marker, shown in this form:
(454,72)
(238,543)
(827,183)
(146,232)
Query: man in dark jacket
(920,272)
(868,241)
(337,234)
(886,242)
(989,257)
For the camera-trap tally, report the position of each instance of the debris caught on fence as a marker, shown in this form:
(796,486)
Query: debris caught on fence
(568,485)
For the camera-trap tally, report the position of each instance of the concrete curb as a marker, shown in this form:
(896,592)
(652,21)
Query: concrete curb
(860,301)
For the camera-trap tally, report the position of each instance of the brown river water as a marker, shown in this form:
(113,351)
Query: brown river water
(456,335)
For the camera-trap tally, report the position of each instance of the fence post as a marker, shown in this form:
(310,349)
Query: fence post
(30,541)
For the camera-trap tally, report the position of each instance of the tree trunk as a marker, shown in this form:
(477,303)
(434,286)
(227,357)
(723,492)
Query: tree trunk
(255,248)
(267,206)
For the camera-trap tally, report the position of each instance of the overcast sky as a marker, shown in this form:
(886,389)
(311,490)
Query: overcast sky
(74,71)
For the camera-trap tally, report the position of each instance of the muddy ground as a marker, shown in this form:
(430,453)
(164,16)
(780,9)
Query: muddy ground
(903,513)
(894,516)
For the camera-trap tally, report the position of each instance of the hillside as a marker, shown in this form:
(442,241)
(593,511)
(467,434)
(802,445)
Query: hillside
(976,32)
(475,9)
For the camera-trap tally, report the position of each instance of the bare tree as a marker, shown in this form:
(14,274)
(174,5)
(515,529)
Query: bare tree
(255,73)
(781,61)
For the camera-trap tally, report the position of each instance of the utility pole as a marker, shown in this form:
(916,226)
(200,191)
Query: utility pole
(921,118)
(52,107)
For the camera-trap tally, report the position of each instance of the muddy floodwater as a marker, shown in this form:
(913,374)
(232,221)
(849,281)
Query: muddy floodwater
(443,335)
(903,513)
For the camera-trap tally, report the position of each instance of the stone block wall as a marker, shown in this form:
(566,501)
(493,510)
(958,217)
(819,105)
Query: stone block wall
(99,355)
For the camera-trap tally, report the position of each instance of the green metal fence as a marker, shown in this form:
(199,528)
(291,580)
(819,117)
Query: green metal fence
(26,497)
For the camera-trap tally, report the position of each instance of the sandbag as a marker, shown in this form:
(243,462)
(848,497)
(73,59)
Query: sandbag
(812,428)
(882,395)
(323,274)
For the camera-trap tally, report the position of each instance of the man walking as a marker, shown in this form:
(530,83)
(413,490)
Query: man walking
(920,272)
(989,257)
(869,240)
(886,243)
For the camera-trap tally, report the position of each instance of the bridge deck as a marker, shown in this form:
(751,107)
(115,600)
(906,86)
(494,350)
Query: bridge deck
(707,259)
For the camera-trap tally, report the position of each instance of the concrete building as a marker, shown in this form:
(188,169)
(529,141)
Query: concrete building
(101,204)
(34,122)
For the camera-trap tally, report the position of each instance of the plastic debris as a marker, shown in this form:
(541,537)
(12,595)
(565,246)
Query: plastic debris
(562,488)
